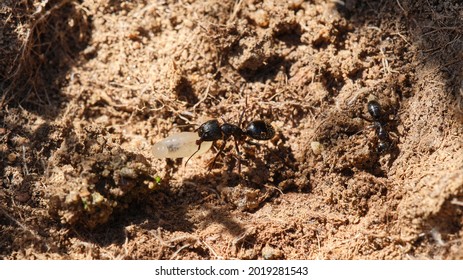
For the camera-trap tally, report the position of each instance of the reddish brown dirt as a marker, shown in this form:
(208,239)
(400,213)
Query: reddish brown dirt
(89,86)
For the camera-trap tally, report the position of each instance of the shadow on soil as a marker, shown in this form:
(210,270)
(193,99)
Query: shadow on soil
(31,79)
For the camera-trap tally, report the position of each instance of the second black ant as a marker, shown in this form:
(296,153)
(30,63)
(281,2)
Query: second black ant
(212,131)
(380,123)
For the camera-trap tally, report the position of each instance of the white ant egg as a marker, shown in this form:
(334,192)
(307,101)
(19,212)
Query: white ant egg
(180,145)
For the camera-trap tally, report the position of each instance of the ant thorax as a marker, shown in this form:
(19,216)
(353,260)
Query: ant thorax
(232,130)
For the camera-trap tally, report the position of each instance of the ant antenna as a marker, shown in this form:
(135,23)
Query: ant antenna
(199,147)
(239,125)
(244,111)
(198,142)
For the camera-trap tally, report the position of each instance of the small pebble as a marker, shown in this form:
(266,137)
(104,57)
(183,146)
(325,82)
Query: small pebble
(261,17)
(12,157)
(317,147)
(270,253)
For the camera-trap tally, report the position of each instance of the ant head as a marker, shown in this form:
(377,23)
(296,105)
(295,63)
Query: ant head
(210,131)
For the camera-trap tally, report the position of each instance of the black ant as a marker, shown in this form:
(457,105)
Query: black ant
(212,131)
(379,123)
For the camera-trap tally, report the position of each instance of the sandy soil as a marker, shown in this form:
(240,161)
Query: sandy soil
(89,86)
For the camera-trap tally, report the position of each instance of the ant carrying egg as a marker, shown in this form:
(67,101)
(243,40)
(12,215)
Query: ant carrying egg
(189,144)
(211,131)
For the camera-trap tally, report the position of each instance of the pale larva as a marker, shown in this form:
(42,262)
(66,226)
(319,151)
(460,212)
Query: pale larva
(180,145)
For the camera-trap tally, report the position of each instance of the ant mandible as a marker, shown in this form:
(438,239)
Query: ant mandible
(212,131)
(374,109)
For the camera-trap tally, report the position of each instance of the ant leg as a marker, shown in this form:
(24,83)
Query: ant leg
(217,155)
(239,156)
(366,118)
(252,143)
(368,127)
(244,110)
(394,112)
(199,147)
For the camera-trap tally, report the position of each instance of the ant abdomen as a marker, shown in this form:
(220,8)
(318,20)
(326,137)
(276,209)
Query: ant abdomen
(260,130)
(383,146)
